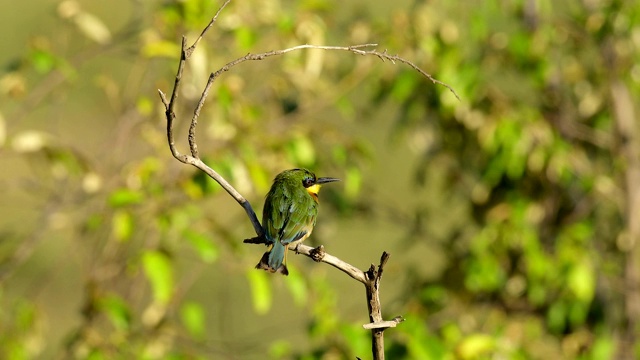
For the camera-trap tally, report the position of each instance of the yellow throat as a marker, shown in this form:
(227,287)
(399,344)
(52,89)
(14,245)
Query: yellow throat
(313,190)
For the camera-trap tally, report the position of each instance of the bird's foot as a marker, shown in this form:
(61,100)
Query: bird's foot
(318,253)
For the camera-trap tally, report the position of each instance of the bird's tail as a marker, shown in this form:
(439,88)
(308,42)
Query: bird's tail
(273,260)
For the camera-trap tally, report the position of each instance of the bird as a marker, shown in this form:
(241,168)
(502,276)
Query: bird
(289,215)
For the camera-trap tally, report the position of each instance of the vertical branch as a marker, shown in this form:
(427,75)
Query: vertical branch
(169,105)
(372,284)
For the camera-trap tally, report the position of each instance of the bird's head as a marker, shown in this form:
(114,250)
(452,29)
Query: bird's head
(307,179)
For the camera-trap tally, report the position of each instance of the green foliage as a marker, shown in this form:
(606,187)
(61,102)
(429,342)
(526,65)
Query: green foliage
(125,197)
(193,318)
(159,271)
(123,225)
(204,246)
(260,291)
(530,140)
(117,310)
(297,287)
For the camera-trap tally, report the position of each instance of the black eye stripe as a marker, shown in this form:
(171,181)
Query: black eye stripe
(306,182)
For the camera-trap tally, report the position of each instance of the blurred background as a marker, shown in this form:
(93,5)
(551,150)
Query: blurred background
(512,215)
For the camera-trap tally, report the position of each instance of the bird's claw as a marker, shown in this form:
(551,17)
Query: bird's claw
(318,253)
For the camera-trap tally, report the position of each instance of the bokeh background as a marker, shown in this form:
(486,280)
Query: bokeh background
(512,215)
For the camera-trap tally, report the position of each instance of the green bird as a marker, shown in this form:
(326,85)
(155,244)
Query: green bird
(289,215)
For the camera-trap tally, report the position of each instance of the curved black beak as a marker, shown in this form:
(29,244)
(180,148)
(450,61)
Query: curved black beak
(324,180)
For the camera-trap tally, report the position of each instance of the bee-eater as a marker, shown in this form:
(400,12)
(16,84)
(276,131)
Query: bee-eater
(289,215)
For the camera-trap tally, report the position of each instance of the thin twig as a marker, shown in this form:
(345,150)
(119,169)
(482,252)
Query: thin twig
(393,58)
(213,20)
(356,49)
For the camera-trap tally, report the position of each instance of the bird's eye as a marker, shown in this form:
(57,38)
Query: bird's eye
(307,182)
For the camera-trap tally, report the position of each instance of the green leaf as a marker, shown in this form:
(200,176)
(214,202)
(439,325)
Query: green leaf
(359,341)
(159,272)
(260,290)
(603,348)
(582,280)
(125,197)
(484,273)
(245,38)
(301,151)
(145,105)
(476,346)
(404,85)
(280,349)
(259,177)
(346,108)
(203,244)
(352,182)
(434,295)
(557,316)
(420,343)
(122,225)
(162,48)
(93,222)
(96,354)
(117,310)
(193,318)
(340,154)
(297,286)
(43,61)
(578,313)
(451,334)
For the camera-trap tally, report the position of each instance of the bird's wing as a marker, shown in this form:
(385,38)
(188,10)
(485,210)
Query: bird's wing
(297,224)
(286,223)
(272,220)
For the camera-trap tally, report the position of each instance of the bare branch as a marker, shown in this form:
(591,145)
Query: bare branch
(229,189)
(370,278)
(213,20)
(384,324)
(251,57)
(169,113)
(318,254)
(384,56)
(372,285)
(356,49)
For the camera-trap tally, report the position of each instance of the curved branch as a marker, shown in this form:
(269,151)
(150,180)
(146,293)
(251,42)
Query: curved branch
(229,189)
(318,254)
(356,49)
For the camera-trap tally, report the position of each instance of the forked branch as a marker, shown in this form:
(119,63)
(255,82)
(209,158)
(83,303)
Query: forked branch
(371,277)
